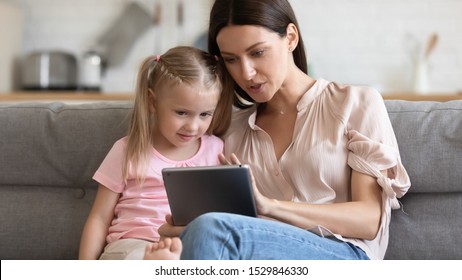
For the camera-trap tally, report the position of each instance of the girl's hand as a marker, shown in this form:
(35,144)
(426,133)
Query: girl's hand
(261,202)
(170,230)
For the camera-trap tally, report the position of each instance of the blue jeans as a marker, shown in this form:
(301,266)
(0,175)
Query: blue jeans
(222,236)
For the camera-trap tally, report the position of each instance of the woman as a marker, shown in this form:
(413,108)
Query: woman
(324,156)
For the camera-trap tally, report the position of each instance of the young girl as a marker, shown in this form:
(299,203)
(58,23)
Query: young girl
(178,110)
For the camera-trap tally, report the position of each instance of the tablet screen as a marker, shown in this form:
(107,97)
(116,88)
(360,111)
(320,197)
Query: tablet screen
(193,191)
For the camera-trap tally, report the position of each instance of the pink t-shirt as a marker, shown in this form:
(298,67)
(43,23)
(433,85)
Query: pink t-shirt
(142,209)
(338,128)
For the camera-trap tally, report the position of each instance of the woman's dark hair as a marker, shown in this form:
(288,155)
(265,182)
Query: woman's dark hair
(274,15)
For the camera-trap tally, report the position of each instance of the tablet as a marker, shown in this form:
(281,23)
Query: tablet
(193,191)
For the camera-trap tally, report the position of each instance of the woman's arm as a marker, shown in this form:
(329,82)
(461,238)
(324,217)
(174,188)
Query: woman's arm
(359,218)
(96,228)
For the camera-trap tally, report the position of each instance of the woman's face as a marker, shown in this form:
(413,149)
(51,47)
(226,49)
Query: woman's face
(256,58)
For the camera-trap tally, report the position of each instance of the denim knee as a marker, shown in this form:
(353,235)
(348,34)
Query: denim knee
(207,220)
(204,237)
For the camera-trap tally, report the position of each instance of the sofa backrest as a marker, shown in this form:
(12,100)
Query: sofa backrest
(429,224)
(430,141)
(48,155)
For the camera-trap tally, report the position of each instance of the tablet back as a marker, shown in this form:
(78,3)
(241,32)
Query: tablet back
(193,191)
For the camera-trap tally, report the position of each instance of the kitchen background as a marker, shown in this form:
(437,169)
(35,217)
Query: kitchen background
(371,42)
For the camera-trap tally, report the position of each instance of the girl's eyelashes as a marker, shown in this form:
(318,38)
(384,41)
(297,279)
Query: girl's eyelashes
(207,114)
(204,114)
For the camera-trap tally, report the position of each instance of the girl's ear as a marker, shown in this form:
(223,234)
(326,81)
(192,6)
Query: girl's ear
(152,101)
(292,36)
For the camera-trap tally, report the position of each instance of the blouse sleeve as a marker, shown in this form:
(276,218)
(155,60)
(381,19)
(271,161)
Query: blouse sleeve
(373,147)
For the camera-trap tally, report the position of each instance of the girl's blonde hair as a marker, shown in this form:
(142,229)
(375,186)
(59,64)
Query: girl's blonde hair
(178,65)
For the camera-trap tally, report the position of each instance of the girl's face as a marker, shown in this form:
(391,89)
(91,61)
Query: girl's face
(183,114)
(257,59)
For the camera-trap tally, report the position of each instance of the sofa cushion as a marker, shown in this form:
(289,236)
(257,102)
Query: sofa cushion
(428,227)
(429,136)
(58,144)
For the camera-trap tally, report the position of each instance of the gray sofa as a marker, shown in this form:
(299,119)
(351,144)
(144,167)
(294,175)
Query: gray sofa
(49,152)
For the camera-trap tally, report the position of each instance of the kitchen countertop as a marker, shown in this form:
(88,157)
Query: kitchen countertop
(422,97)
(64,96)
(94,96)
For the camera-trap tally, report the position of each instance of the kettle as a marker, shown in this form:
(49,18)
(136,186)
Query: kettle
(91,71)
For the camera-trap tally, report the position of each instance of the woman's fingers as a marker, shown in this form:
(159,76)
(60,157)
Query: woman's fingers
(234,159)
(223,160)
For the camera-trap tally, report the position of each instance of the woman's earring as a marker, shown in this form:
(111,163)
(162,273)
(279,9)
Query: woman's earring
(290,49)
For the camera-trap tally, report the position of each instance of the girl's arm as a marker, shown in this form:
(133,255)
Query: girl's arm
(96,228)
(168,229)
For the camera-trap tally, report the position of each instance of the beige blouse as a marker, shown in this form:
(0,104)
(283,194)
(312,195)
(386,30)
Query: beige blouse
(338,128)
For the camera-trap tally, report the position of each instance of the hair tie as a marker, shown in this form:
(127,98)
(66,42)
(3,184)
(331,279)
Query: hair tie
(216,57)
(157,58)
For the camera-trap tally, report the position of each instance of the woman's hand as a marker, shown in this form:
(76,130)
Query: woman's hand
(168,229)
(262,202)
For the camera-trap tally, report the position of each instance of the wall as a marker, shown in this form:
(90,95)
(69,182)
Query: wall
(75,26)
(370,41)
(351,41)
(11,26)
